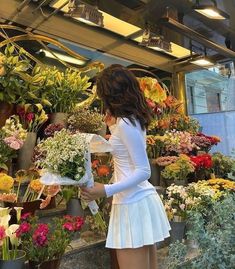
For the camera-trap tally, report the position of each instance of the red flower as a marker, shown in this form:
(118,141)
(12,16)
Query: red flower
(68,217)
(202,161)
(23,228)
(30,116)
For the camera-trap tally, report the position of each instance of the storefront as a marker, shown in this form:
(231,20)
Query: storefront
(51,52)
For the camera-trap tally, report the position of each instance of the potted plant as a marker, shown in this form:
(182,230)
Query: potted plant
(11,256)
(39,240)
(203,164)
(175,203)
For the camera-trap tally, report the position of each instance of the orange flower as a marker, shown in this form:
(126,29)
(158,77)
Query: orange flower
(8,197)
(103,170)
(35,185)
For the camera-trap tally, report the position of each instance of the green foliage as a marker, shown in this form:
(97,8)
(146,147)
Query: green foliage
(222,165)
(213,230)
(61,90)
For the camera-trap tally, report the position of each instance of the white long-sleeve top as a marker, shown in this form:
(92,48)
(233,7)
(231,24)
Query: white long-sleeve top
(131,164)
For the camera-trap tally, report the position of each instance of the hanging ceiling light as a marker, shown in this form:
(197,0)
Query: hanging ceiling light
(153,41)
(203,61)
(211,11)
(85,13)
(66,58)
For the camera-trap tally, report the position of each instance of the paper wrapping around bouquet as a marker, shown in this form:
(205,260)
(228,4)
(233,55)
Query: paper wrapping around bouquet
(96,144)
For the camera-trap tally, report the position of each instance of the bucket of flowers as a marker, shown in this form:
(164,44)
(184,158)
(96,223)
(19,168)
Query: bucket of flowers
(39,240)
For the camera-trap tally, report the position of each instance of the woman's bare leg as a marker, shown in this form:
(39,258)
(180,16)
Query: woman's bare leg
(133,258)
(153,257)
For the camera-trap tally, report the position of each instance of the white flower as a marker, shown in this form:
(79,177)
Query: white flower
(18,212)
(11,232)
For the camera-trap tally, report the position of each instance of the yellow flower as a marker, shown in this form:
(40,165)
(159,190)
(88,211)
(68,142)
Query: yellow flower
(36,185)
(6,182)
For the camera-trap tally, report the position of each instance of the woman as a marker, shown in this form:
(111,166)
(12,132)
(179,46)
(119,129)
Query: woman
(138,219)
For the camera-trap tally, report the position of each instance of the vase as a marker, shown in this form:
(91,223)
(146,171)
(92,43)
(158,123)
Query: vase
(155,173)
(25,154)
(18,263)
(6,110)
(51,264)
(177,231)
(28,207)
(59,118)
(74,207)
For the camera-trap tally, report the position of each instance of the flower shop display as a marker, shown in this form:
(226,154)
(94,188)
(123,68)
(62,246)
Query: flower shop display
(39,240)
(85,120)
(178,171)
(11,255)
(12,137)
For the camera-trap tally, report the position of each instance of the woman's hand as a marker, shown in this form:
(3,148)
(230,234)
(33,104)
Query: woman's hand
(93,193)
(109,119)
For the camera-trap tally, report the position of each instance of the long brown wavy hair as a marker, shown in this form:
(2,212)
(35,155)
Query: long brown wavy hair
(120,91)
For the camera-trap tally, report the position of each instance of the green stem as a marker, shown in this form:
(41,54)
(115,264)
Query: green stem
(18,190)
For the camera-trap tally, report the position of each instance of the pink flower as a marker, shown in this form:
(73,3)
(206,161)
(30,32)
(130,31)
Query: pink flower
(25,216)
(69,226)
(2,233)
(40,235)
(24,228)
(182,206)
(13,142)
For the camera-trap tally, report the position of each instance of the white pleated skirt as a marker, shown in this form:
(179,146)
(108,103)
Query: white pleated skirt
(138,224)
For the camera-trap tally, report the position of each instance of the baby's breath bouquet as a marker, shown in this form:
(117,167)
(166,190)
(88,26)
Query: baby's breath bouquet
(64,154)
(65,157)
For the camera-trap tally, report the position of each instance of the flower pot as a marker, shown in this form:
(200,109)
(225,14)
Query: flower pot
(18,263)
(6,110)
(51,264)
(59,118)
(28,207)
(25,154)
(74,207)
(155,173)
(177,231)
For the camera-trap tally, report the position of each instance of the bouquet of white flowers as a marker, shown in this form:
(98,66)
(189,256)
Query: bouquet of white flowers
(66,160)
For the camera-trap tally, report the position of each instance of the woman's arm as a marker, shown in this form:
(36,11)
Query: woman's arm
(132,138)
